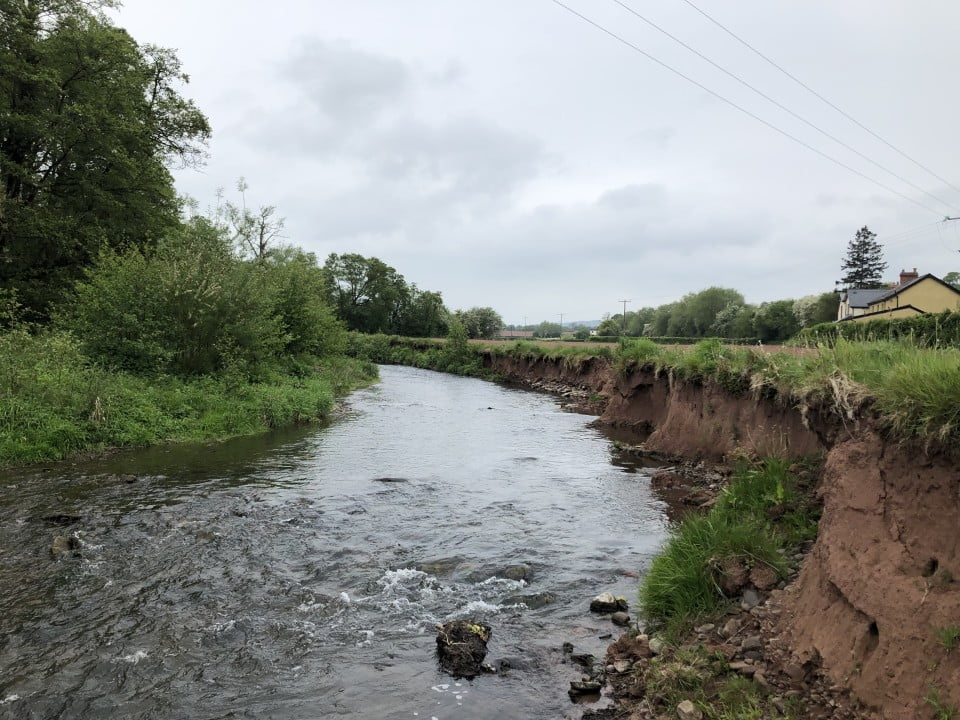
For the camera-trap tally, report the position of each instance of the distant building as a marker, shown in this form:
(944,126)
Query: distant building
(914,295)
(514,334)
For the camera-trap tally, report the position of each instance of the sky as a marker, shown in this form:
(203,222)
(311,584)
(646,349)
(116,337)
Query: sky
(508,153)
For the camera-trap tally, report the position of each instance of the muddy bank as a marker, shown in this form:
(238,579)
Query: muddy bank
(876,605)
(677,418)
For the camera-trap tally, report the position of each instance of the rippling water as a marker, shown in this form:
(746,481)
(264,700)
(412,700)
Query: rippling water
(276,577)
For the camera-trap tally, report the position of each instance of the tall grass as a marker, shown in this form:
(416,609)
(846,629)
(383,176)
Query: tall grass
(56,403)
(682,586)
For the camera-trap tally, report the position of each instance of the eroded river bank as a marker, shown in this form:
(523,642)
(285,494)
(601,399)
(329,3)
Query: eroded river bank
(281,577)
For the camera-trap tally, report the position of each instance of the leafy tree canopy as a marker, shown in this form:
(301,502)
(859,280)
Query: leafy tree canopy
(480,322)
(89,120)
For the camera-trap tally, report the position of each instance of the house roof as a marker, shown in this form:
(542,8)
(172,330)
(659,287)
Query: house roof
(887,294)
(861,297)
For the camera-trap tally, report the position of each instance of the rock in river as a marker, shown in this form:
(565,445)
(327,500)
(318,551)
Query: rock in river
(63,546)
(607,603)
(462,646)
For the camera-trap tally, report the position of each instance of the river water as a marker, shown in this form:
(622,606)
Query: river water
(277,577)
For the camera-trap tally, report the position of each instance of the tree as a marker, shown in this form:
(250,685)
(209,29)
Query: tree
(815,309)
(89,120)
(734,321)
(582,333)
(481,322)
(367,294)
(424,315)
(952,278)
(548,329)
(863,266)
(775,321)
(254,232)
(610,326)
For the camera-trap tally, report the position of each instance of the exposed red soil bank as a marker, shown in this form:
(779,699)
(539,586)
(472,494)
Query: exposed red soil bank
(881,581)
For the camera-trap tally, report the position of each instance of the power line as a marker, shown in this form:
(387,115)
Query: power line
(780,105)
(821,97)
(742,109)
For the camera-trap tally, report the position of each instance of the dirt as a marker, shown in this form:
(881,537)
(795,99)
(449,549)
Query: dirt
(881,580)
(873,617)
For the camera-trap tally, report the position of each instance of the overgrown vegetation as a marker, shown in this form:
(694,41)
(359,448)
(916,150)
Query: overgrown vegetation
(122,321)
(933,330)
(759,519)
(455,355)
(55,402)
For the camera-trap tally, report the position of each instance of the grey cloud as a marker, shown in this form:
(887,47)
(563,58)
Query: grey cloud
(633,197)
(345,84)
(459,157)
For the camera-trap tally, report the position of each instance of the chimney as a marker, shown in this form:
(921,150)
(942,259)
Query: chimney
(906,277)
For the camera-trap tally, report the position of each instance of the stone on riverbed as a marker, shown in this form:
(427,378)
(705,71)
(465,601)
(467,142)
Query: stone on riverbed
(63,546)
(462,646)
(607,603)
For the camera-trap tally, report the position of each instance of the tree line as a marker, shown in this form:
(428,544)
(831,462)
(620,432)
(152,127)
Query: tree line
(723,312)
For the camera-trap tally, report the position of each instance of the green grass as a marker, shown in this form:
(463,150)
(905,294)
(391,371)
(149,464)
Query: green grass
(681,586)
(55,403)
(942,709)
(691,672)
(948,636)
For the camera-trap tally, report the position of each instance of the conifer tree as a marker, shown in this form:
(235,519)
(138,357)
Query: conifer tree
(863,266)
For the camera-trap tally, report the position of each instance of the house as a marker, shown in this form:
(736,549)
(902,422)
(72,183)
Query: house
(914,295)
(855,301)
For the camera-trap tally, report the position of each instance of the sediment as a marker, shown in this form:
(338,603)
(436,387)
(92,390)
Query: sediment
(879,586)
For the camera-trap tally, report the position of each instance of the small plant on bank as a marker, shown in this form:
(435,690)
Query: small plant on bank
(942,709)
(948,636)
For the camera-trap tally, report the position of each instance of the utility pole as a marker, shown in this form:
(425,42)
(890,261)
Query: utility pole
(561,324)
(624,330)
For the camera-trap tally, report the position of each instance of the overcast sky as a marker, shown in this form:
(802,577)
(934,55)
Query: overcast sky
(507,153)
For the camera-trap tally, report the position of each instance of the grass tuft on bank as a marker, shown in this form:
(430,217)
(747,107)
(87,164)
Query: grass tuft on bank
(761,518)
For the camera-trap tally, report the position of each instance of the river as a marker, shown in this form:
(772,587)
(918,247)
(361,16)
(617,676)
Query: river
(281,577)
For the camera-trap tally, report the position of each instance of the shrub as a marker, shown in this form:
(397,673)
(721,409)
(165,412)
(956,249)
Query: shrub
(189,307)
(933,330)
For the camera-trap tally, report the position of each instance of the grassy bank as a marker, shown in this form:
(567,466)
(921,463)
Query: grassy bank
(56,403)
(914,391)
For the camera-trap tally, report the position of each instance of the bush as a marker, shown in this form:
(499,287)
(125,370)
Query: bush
(189,307)
(307,323)
(193,307)
(933,330)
